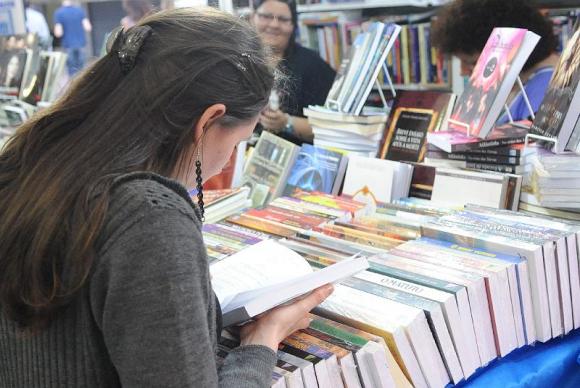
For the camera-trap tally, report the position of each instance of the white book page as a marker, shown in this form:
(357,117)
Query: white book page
(255,267)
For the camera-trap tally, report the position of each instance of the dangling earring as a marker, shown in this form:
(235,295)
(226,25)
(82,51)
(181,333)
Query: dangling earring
(199,181)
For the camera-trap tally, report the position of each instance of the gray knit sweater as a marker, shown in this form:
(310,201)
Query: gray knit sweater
(147,315)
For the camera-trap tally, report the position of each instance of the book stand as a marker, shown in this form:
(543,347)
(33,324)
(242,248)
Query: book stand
(507,111)
(542,138)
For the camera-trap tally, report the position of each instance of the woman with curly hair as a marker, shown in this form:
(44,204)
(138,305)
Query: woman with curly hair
(463,27)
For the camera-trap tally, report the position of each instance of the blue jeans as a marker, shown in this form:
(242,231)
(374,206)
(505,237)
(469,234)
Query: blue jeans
(75,60)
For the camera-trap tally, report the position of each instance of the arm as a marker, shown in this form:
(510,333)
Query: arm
(58,30)
(275,122)
(151,298)
(87,25)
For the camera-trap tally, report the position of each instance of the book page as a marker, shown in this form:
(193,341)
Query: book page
(258,266)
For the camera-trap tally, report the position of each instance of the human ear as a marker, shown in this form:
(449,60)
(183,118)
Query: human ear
(207,118)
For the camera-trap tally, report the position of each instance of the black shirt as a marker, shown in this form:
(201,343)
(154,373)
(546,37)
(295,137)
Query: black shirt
(310,79)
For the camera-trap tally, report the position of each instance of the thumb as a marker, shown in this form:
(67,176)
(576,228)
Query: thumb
(315,298)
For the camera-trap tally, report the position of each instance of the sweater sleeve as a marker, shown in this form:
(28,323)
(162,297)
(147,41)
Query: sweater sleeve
(151,298)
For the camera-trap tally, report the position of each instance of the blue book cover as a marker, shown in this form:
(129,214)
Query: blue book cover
(315,169)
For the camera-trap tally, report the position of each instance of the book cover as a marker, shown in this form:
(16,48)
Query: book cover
(262,225)
(493,77)
(286,217)
(413,115)
(267,168)
(560,107)
(356,208)
(13,64)
(316,169)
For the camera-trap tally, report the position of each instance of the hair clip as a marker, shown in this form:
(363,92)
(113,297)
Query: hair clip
(241,67)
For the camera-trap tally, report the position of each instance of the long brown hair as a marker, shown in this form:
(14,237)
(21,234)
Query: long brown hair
(55,173)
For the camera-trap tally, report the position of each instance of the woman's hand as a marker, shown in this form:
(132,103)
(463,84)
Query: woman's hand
(272,327)
(273,120)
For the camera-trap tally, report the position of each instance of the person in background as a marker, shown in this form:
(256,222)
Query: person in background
(310,78)
(36,23)
(463,27)
(104,276)
(71,24)
(136,10)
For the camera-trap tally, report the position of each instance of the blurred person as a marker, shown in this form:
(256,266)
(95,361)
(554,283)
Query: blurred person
(36,23)
(310,77)
(71,24)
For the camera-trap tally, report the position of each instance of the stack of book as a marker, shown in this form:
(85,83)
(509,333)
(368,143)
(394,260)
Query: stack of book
(554,181)
(220,204)
(461,289)
(473,140)
(359,71)
(353,134)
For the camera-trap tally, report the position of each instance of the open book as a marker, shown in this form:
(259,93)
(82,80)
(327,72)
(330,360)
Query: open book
(267,275)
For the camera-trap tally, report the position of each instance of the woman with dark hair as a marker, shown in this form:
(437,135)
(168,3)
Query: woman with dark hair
(310,78)
(104,277)
(463,27)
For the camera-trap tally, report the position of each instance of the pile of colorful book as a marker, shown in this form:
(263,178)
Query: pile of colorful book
(447,291)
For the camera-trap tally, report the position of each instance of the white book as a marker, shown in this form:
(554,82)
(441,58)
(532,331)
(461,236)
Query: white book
(497,285)
(532,253)
(376,180)
(362,310)
(477,297)
(372,283)
(463,341)
(375,357)
(268,274)
(453,187)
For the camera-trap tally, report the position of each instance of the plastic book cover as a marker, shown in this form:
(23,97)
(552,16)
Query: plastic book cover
(267,167)
(413,115)
(557,101)
(315,169)
(489,73)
